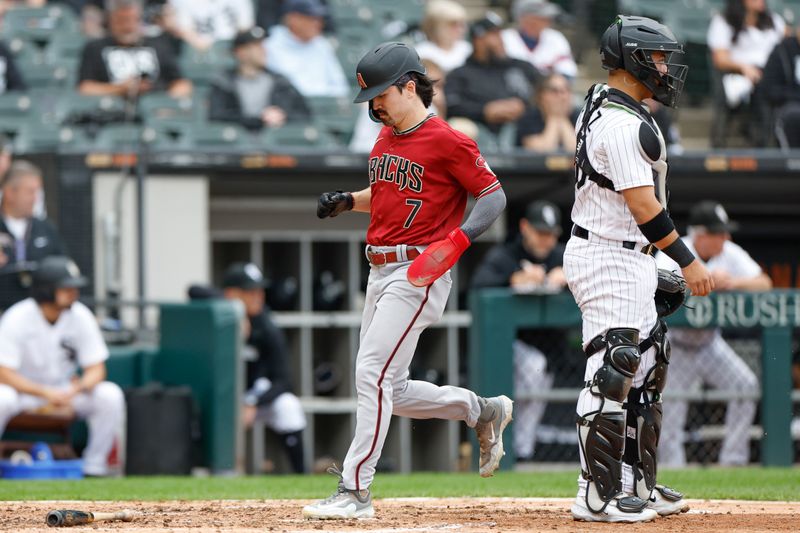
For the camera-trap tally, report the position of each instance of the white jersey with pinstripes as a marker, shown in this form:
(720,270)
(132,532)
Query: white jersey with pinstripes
(613,149)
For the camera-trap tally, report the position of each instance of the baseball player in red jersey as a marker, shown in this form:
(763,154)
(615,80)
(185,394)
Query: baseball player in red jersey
(420,173)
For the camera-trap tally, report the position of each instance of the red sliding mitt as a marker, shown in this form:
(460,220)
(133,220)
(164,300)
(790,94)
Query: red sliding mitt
(437,258)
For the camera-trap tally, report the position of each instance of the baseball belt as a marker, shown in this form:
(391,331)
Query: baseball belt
(385,258)
(583,233)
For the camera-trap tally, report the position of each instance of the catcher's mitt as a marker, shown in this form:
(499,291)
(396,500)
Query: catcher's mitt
(670,294)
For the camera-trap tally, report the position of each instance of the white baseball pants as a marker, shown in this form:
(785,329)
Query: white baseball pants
(103,408)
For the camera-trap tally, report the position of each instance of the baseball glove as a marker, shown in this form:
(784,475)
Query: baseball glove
(670,294)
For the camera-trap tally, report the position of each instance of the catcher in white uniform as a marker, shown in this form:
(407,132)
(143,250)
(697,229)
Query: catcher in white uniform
(702,355)
(619,218)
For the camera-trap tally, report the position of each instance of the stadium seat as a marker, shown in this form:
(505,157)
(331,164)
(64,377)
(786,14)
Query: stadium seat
(218,135)
(39,24)
(487,141)
(128,138)
(297,135)
(59,75)
(16,104)
(75,108)
(203,66)
(336,116)
(36,137)
(161,107)
(65,45)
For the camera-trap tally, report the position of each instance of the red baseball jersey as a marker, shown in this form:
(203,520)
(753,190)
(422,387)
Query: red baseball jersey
(419,179)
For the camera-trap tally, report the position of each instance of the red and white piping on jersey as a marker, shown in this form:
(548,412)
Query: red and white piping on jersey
(380,389)
(488,190)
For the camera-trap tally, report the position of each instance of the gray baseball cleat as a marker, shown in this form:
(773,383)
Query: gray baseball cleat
(342,504)
(666,501)
(495,416)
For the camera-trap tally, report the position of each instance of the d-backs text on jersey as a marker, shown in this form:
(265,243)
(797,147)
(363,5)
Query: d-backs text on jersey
(393,168)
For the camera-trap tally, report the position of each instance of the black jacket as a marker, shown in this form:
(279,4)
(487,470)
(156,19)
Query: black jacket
(12,79)
(224,102)
(473,85)
(272,362)
(780,79)
(502,260)
(41,241)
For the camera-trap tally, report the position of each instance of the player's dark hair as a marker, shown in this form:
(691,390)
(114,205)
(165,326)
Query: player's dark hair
(424,86)
(735,14)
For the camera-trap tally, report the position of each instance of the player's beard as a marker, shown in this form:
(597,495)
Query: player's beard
(384,118)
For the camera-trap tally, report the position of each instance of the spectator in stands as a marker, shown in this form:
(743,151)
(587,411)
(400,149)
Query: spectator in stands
(490,88)
(298,50)
(531,263)
(10,77)
(203,22)
(445,26)
(781,87)
(126,63)
(24,239)
(268,14)
(251,94)
(741,39)
(549,126)
(701,356)
(44,339)
(534,41)
(269,396)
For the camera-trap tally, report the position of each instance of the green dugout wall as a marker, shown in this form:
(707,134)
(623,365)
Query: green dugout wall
(497,314)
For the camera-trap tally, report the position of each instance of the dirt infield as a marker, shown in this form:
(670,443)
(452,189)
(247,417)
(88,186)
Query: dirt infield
(402,515)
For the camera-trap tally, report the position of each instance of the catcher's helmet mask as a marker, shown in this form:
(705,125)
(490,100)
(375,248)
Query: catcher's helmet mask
(628,44)
(381,67)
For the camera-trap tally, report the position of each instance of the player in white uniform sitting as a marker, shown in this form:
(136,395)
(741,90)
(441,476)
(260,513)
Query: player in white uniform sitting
(43,341)
(619,218)
(702,355)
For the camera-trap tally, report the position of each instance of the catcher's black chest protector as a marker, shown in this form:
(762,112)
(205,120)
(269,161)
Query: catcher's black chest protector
(649,138)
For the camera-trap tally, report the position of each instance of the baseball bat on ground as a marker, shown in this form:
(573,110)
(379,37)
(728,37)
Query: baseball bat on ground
(67,517)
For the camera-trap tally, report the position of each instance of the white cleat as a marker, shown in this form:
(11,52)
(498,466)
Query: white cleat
(490,434)
(342,504)
(620,509)
(666,501)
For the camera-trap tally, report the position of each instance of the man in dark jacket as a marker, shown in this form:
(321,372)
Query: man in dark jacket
(10,78)
(780,85)
(269,396)
(24,238)
(252,95)
(531,263)
(490,88)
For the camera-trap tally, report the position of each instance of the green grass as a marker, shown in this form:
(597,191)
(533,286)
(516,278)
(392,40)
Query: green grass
(714,483)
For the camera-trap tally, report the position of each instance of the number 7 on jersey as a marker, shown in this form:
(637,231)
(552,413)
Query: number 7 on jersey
(415,207)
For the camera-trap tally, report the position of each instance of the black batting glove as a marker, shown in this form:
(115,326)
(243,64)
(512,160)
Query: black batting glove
(333,203)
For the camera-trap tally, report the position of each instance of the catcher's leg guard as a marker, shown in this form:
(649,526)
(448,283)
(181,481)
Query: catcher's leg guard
(644,415)
(601,433)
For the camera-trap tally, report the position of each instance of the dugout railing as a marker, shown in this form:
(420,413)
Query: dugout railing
(497,315)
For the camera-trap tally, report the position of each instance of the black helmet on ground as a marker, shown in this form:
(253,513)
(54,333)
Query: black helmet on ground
(55,272)
(628,44)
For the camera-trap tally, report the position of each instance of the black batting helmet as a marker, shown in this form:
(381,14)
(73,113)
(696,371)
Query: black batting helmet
(55,272)
(381,67)
(628,44)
